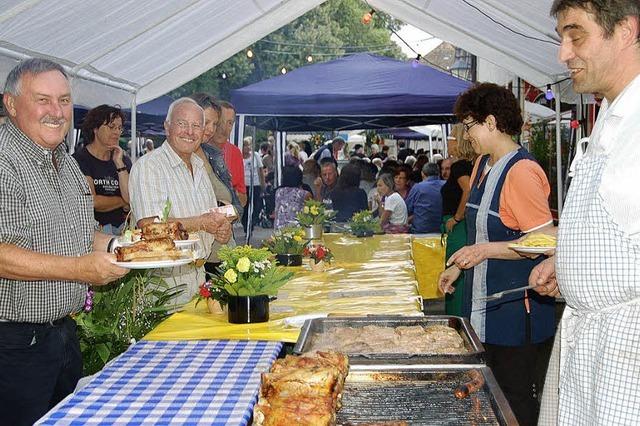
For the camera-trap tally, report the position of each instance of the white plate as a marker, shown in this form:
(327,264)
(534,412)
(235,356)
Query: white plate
(179,243)
(154,264)
(531,250)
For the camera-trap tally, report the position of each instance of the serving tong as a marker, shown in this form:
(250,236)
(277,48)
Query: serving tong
(500,294)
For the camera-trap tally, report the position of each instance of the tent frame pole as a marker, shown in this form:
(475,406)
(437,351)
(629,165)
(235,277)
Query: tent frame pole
(559,179)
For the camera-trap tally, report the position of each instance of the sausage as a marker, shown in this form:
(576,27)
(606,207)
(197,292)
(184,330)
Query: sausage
(474,385)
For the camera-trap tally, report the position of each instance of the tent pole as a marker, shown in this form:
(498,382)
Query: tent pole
(558,151)
(134,130)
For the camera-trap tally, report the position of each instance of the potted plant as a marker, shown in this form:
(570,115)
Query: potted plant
(319,255)
(249,277)
(287,244)
(363,224)
(313,217)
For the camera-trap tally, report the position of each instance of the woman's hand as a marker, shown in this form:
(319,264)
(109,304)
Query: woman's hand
(449,225)
(447,278)
(469,256)
(117,156)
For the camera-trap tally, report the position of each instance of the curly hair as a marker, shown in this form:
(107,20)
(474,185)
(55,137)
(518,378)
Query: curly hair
(485,99)
(96,117)
(607,13)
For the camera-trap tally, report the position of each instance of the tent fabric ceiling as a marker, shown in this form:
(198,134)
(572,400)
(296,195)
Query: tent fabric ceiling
(120,51)
(353,92)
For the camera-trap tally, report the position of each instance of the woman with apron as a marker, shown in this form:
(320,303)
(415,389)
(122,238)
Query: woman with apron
(508,198)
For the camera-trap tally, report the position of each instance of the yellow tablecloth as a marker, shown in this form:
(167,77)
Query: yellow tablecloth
(372,275)
(428,257)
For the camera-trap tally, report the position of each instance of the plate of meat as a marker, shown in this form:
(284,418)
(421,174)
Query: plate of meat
(154,253)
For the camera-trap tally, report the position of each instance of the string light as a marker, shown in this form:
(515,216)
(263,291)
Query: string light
(367,17)
(249,53)
(223,76)
(283,70)
(549,93)
(309,58)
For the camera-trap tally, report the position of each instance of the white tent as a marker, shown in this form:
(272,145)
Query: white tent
(126,50)
(132,51)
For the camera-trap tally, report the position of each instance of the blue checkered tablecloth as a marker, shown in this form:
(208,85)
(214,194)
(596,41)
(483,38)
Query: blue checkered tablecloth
(203,382)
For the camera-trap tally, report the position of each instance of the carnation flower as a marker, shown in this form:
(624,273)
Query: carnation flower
(243,264)
(231,276)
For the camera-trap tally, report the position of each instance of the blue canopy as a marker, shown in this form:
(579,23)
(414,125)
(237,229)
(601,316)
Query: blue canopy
(359,91)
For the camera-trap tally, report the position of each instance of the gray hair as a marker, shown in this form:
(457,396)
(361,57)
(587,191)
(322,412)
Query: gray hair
(430,169)
(410,160)
(387,179)
(32,66)
(181,101)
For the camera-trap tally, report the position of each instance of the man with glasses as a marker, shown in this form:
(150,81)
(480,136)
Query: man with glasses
(176,174)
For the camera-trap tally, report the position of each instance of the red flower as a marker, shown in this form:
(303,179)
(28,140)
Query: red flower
(320,253)
(205,292)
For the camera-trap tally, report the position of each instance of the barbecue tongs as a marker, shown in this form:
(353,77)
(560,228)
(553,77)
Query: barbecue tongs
(498,295)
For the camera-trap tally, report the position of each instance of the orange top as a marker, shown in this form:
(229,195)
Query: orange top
(524,198)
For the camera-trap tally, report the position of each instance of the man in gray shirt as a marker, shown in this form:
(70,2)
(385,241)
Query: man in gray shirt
(49,247)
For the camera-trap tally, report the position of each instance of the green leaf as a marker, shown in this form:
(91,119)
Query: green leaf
(103,351)
(166,210)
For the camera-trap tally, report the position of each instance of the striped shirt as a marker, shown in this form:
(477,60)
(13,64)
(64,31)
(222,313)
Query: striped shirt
(47,211)
(162,175)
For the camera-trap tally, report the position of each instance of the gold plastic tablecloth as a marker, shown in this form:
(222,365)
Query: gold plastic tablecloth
(372,275)
(428,257)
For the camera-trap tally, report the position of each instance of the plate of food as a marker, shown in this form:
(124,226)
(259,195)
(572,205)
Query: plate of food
(152,231)
(535,243)
(153,253)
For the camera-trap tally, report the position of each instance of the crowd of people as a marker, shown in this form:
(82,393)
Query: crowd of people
(60,215)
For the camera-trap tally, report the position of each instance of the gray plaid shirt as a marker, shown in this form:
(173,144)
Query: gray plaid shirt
(46,211)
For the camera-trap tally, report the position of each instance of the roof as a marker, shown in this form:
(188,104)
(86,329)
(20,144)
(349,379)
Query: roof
(126,50)
(353,92)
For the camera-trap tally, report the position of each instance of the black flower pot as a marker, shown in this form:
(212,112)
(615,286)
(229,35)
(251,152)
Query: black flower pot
(289,259)
(248,309)
(361,234)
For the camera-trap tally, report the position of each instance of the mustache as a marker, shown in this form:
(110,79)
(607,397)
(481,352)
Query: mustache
(47,119)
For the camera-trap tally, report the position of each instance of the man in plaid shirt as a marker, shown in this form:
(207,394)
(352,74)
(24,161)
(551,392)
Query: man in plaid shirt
(49,247)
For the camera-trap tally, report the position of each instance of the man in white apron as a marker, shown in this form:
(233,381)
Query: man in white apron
(595,378)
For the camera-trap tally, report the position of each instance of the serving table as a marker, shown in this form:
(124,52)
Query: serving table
(212,382)
(373,275)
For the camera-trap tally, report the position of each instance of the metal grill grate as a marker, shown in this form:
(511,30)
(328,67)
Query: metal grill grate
(429,400)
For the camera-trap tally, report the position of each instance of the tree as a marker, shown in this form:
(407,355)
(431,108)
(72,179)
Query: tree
(330,31)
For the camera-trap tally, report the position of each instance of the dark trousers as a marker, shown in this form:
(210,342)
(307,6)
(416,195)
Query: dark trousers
(520,370)
(257,205)
(40,364)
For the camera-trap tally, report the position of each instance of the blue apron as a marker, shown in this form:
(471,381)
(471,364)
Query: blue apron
(503,321)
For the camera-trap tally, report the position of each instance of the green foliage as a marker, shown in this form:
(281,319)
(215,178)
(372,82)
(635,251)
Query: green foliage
(364,222)
(289,240)
(314,213)
(327,32)
(247,271)
(123,312)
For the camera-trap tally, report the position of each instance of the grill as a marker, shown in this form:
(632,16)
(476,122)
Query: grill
(314,328)
(422,395)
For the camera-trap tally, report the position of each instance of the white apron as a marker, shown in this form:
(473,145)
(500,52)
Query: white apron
(594,372)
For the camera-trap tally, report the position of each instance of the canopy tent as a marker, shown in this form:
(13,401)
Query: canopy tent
(358,91)
(132,51)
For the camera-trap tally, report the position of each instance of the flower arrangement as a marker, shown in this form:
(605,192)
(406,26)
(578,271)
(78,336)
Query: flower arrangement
(245,271)
(363,223)
(318,253)
(317,139)
(314,213)
(289,240)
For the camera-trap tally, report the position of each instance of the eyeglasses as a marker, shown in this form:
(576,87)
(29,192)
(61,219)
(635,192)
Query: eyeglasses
(183,125)
(115,128)
(469,125)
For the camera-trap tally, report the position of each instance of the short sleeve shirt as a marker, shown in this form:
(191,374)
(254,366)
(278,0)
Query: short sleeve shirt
(398,208)
(44,208)
(233,160)
(257,168)
(106,183)
(524,198)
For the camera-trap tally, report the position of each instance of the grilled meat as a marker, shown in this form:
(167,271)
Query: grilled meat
(144,250)
(173,230)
